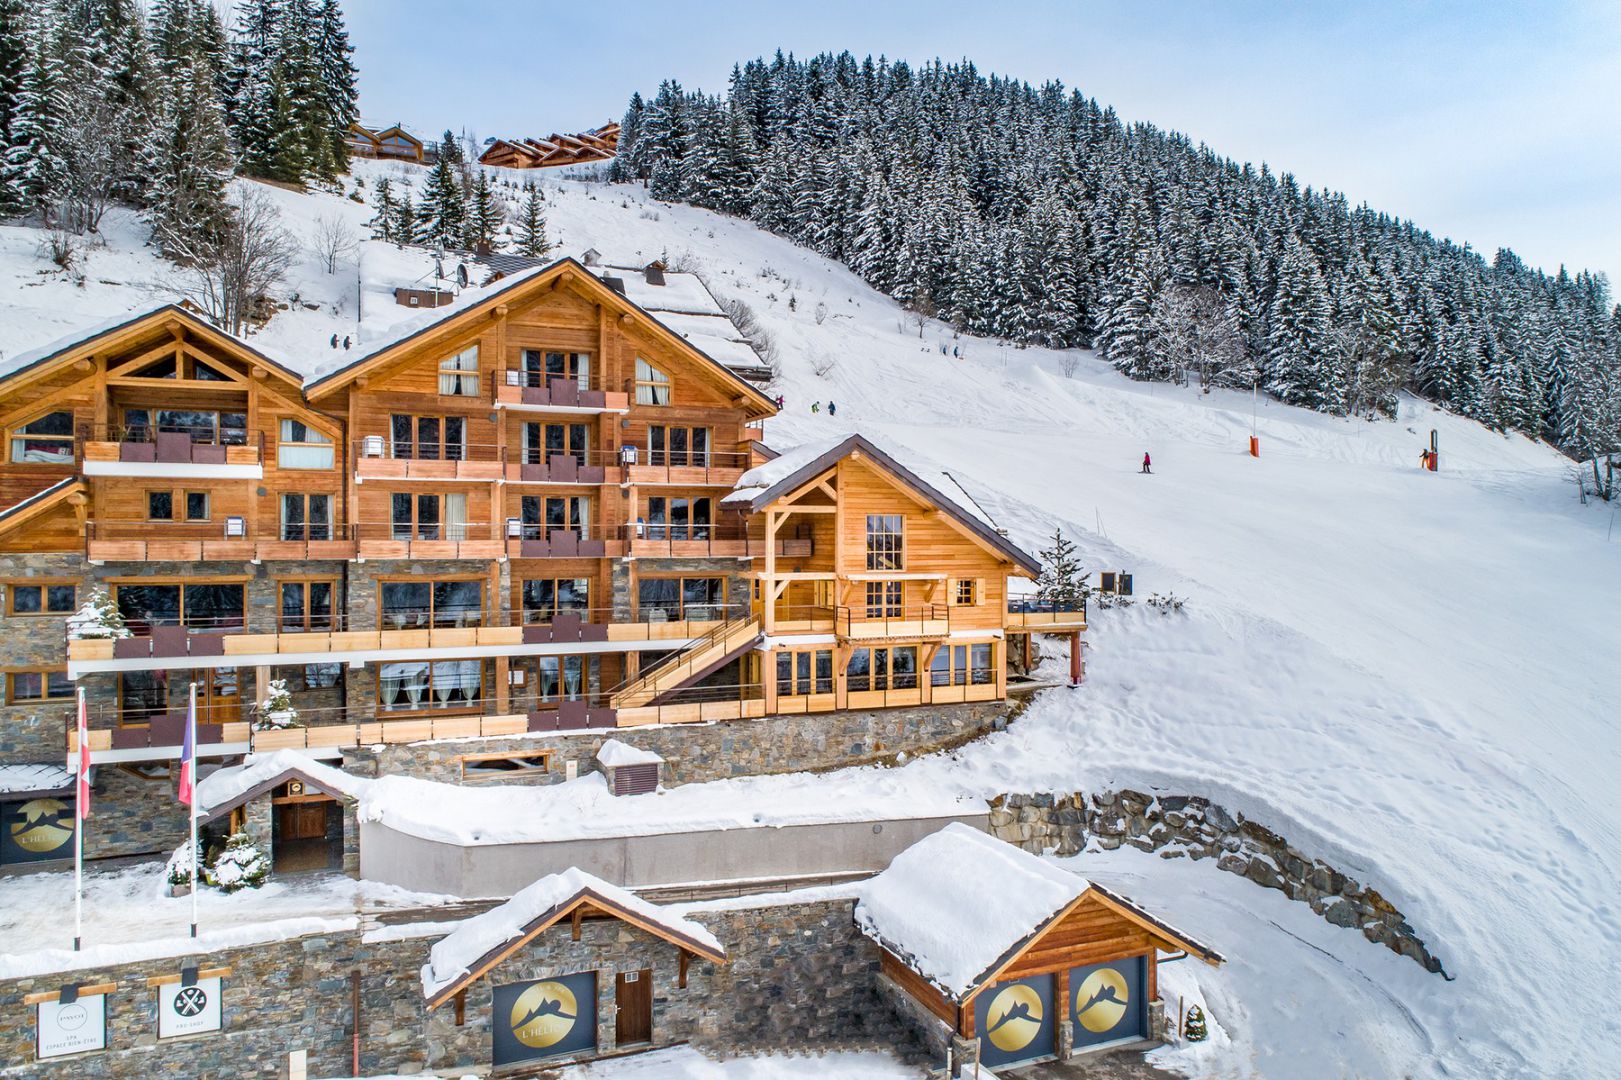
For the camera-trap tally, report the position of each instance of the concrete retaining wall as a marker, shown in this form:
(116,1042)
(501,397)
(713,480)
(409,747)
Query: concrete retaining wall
(411,862)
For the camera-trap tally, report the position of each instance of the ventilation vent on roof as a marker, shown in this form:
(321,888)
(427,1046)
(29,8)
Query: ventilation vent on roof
(655,273)
(616,284)
(592,256)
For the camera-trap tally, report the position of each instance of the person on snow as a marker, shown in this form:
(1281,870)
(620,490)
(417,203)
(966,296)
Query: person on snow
(1146,463)
(816,407)
(832,409)
(779,401)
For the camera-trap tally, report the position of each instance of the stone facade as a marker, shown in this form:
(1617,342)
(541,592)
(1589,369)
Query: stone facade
(35,731)
(1179,826)
(798,976)
(694,753)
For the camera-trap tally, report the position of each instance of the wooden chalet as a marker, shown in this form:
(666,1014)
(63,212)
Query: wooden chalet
(1011,952)
(599,144)
(393,143)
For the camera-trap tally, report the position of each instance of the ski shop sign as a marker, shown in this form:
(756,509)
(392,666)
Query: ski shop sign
(545,1018)
(72,1020)
(189,1005)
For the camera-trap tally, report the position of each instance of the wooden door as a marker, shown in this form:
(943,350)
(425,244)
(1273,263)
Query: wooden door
(633,994)
(219,696)
(303,820)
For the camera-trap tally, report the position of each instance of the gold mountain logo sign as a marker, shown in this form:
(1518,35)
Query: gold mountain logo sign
(1015,1018)
(42,825)
(544,1014)
(1101,1001)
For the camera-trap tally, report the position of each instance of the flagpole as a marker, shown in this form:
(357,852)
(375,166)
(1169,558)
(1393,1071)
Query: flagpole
(191,741)
(79,813)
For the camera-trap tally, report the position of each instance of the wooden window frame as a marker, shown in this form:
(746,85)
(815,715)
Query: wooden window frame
(304,497)
(218,413)
(681,592)
(804,685)
(574,371)
(441,526)
(886,599)
(472,708)
(441,446)
(484,610)
(877,529)
(449,367)
(525,612)
(180,500)
(181,583)
(44,674)
(570,503)
(691,530)
(327,443)
(962,586)
(303,625)
(888,674)
(541,454)
(528,665)
(13,432)
(664,456)
(543,757)
(652,385)
(44,585)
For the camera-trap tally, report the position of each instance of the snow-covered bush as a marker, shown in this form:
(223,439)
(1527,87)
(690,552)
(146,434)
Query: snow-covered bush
(1193,1028)
(179,870)
(97,620)
(240,866)
(1166,604)
(277,711)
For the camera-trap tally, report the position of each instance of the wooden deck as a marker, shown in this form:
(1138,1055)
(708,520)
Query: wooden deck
(1045,622)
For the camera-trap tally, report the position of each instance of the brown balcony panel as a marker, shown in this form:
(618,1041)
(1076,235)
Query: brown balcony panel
(173,447)
(207,454)
(117,551)
(382,468)
(562,469)
(134,648)
(131,737)
(169,641)
(384,549)
(137,451)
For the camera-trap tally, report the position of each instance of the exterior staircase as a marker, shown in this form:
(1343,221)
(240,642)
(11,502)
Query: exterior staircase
(720,645)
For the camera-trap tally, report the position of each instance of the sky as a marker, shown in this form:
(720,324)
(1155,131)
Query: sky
(1493,123)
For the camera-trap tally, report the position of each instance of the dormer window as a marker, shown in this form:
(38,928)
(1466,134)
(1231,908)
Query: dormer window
(46,440)
(458,375)
(652,385)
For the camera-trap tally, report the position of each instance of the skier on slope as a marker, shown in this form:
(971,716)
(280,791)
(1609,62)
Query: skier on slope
(832,409)
(816,407)
(1147,463)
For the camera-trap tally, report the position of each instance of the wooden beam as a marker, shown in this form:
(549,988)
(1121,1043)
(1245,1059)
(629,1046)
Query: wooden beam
(681,975)
(578,912)
(202,973)
(54,995)
(461,1007)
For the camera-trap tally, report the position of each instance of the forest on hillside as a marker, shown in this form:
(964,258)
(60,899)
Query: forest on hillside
(1035,214)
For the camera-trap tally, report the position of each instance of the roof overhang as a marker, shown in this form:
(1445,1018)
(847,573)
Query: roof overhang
(269,785)
(41,502)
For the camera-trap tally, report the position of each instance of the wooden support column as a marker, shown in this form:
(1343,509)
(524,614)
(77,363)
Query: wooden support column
(261,683)
(768,680)
(503,685)
(681,976)
(1077,670)
(769,581)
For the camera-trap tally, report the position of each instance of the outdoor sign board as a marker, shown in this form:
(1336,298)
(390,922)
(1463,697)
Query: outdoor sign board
(544,1018)
(188,1010)
(72,1027)
(1015,1020)
(39,830)
(1108,1001)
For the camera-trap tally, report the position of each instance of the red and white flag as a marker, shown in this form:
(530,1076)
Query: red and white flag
(81,802)
(188,753)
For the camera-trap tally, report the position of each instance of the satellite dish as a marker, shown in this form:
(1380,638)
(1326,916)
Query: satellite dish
(461,275)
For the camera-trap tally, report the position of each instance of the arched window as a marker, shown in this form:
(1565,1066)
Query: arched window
(45,440)
(652,385)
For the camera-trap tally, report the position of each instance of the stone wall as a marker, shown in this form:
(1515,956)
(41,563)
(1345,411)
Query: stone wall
(35,731)
(798,976)
(1180,826)
(694,753)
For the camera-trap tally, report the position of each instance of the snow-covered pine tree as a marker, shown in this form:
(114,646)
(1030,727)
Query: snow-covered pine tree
(532,240)
(383,222)
(485,213)
(188,162)
(450,149)
(16,48)
(1302,362)
(442,217)
(339,80)
(1062,581)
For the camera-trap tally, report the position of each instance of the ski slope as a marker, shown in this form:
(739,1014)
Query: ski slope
(1413,676)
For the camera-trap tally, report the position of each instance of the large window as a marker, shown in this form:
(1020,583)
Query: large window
(677,446)
(306,517)
(652,385)
(884,599)
(203,425)
(674,599)
(142,695)
(882,669)
(543,367)
(45,440)
(677,519)
(25,686)
(428,438)
(542,442)
(417,685)
(956,665)
(429,517)
(543,514)
(565,677)
(204,606)
(885,543)
(25,598)
(458,375)
(307,605)
(302,447)
(807,672)
(173,505)
(545,597)
(417,604)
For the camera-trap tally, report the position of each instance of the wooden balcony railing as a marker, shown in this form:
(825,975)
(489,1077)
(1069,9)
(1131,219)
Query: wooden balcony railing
(166,445)
(1032,615)
(524,390)
(227,539)
(858,623)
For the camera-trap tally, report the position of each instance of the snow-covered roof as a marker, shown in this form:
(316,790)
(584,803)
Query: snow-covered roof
(614,754)
(787,462)
(956,902)
(478,942)
(226,788)
(19,778)
(682,292)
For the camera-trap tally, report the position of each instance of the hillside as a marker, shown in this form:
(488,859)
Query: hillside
(1411,675)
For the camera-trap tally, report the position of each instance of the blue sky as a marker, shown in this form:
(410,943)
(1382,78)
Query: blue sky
(1496,124)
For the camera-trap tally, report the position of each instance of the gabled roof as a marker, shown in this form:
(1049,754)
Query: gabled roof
(765,484)
(470,951)
(40,502)
(958,906)
(413,331)
(81,342)
(223,790)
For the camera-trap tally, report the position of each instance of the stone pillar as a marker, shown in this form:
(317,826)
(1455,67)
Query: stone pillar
(607,1012)
(351,838)
(1066,1040)
(964,1057)
(257,820)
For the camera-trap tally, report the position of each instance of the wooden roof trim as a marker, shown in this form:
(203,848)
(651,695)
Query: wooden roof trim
(580,277)
(40,502)
(1154,926)
(397,130)
(1019,948)
(538,925)
(966,523)
(270,785)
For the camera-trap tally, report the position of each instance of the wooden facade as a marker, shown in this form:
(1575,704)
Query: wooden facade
(598,144)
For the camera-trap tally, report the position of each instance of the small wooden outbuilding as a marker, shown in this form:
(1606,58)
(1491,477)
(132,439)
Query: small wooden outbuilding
(1020,958)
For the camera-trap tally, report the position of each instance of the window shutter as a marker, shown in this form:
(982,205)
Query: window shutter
(979,590)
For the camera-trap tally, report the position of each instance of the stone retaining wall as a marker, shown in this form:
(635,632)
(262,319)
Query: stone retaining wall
(1189,826)
(798,976)
(695,753)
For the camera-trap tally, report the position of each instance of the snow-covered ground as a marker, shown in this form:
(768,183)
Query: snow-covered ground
(683,1063)
(1410,675)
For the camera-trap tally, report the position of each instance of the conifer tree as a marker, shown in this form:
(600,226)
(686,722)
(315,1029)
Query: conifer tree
(532,240)
(383,223)
(485,214)
(442,217)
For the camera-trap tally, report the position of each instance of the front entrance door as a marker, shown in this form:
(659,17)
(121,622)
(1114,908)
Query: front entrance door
(1015,1021)
(306,834)
(633,993)
(219,697)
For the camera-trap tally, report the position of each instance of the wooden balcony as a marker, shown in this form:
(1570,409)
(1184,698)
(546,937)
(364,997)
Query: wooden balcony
(905,624)
(150,541)
(141,452)
(380,467)
(517,390)
(1033,619)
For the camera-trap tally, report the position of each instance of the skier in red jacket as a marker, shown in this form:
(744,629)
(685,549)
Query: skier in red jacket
(1146,463)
